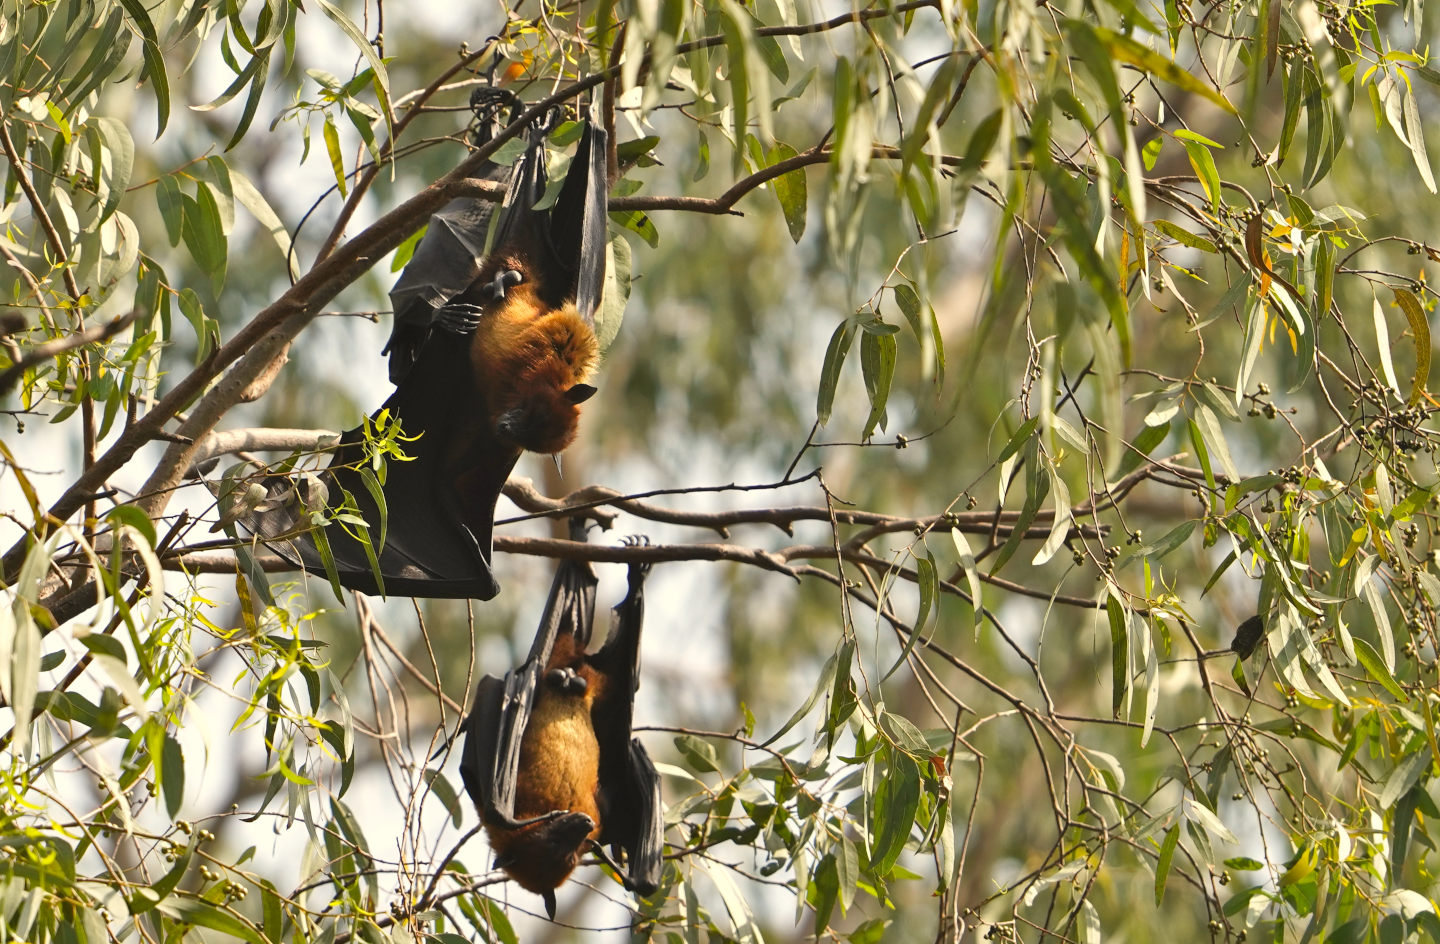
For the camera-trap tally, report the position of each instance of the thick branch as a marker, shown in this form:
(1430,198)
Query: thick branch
(232,441)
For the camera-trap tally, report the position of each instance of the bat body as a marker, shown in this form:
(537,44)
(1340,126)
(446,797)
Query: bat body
(549,760)
(491,356)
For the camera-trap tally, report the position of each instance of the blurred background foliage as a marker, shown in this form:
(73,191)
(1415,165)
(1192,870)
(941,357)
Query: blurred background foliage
(1112,317)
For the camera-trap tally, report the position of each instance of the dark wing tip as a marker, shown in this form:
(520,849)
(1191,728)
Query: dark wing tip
(646,848)
(589,169)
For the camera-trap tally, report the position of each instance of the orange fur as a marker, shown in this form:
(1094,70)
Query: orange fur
(526,355)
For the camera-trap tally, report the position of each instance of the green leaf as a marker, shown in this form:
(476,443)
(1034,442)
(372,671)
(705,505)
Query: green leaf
(928,583)
(847,871)
(1198,147)
(638,223)
(114,137)
(1140,449)
(790,191)
(154,62)
(1037,486)
(1124,49)
(700,754)
(877,366)
(204,233)
(1374,665)
(822,685)
(972,574)
(909,301)
(440,785)
(982,142)
(1019,438)
(742,920)
(381,79)
(826,885)
(1209,425)
(894,806)
(171,203)
(1119,654)
(337,159)
(835,354)
(205,915)
(1420,329)
(739,39)
(1415,138)
(172,775)
(1169,542)
(133,517)
(1060,524)
(207,329)
(615,294)
(1183,236)
(1162,865)
(251,199)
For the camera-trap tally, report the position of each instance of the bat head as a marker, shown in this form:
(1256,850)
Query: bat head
(546,420)
(541,855)
(551,358)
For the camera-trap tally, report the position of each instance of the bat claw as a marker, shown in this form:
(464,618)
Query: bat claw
(458,319)
(638,569)
(566,681)
(494,290)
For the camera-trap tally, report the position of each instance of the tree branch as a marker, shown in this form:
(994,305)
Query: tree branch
(44,352)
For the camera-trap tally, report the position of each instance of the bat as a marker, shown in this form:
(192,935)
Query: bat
(491,356)
(548,757)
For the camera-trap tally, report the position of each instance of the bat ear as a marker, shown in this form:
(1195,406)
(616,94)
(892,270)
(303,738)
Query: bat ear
(580,393)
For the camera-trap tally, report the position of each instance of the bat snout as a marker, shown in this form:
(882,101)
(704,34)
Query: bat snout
(543,425)
(572,829)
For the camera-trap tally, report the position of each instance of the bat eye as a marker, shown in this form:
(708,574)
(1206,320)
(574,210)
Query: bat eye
(579,393)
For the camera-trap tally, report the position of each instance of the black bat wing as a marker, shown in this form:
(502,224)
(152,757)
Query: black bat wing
(447,260)
(629,784)
(450,254)
(565,242)
(644,839)
(578,221)
(428,547)
(495,728)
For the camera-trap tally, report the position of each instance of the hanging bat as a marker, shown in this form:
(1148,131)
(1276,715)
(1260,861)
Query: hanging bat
(548,757)
(483,373)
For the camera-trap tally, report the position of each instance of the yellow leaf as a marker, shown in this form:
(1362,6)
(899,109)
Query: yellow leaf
(1303,866)
(1420,328)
